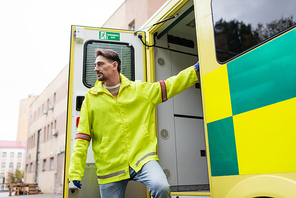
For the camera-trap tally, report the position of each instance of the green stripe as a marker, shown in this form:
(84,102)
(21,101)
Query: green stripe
(222,147)
(265,75)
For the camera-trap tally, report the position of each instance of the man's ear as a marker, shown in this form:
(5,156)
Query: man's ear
(115,65)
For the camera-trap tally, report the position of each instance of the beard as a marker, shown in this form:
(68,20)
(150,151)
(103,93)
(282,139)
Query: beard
(101,77)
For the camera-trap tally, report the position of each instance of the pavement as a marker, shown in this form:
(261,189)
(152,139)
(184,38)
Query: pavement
(5,195)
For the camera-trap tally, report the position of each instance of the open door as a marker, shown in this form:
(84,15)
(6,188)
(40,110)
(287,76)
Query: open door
(84,41)
(247,81)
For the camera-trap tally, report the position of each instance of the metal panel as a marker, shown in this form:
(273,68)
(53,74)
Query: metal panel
(90,158)
(90,186)
(192,167)
(189,101)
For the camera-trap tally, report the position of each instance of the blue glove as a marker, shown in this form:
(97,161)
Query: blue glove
(197,65)
(77,184)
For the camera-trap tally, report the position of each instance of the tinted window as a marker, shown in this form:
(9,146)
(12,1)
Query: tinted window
(240,25)
(124,50)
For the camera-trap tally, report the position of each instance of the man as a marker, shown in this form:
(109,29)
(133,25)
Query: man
(117,115)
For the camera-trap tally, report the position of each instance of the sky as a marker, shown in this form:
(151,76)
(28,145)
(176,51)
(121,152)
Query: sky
(35,45)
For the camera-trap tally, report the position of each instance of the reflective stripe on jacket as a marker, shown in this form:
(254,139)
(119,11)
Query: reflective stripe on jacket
(122,130)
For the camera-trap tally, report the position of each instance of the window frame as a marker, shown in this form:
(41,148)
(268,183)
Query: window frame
(249,49)
(51,163)
(106,42)
(10,165)
(44,165)
(11,155)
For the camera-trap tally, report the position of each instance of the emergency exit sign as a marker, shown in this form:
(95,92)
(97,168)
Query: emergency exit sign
(111,36)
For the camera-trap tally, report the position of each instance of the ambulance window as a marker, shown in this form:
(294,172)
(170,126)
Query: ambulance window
(79,101)
(242,25)
(124,50)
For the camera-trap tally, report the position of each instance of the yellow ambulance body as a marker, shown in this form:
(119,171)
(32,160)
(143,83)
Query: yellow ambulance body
(247,95)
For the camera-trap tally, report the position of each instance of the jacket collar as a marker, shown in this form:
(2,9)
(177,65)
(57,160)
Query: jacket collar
(99,85)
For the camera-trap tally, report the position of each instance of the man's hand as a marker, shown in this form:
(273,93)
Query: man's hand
(196,66)
(77,184)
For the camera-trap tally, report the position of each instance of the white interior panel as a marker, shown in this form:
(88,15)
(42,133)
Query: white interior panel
(192,167)
(187,102)
(165,114)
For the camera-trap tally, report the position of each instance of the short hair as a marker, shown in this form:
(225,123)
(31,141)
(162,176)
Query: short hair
(110,55)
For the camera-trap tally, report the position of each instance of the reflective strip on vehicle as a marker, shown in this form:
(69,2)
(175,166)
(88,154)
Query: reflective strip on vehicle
(111,175)
(147,155)
(164,96)
(83,136)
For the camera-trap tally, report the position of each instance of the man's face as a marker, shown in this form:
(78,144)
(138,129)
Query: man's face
(104,68)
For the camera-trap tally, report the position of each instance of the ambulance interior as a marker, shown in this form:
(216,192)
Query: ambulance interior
(180,125)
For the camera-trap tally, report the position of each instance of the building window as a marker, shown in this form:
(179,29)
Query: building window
(48,132)
(19,155)
(44,165)
(48,104)
(18,165)
(51,127)
(29,143)
(11,155)
(10,164)
(38,140)
(54,98)
(131,26)
(3,164)
(52,163)
(1,177)
(44,133)
(25,107)
(27,168)
(31,167)
(4,155)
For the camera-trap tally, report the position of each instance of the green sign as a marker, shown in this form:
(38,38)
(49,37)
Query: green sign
(113,36)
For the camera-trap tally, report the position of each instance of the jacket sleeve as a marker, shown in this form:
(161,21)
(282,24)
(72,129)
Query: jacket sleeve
(163,90)
(81,144)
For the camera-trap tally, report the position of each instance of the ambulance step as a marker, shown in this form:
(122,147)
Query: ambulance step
(199,194)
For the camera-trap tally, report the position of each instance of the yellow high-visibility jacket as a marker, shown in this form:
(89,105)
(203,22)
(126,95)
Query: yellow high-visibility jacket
(122,130)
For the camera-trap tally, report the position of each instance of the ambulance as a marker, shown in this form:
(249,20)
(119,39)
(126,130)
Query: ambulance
(233,134)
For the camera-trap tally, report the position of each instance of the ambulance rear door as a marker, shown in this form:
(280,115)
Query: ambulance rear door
(84,41)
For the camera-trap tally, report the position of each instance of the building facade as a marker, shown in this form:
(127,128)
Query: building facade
(23,118)
(12,156)
(46,136)
(132,14)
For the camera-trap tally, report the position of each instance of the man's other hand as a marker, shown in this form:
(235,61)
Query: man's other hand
(196,66)
(77,184)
